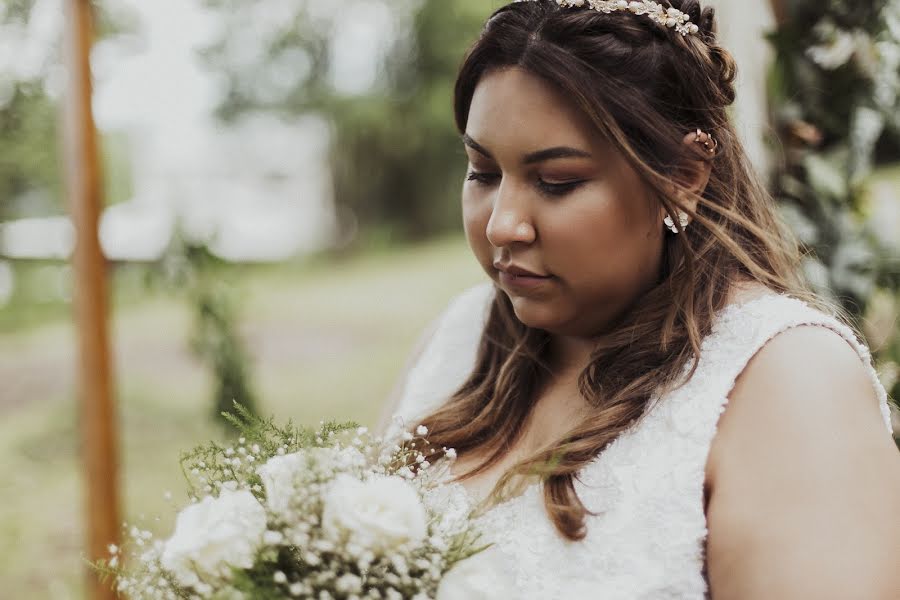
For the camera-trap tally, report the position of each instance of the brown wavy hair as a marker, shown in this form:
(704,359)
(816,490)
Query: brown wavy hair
(643,86)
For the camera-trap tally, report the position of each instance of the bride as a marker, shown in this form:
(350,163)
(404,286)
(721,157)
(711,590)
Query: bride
(640,283)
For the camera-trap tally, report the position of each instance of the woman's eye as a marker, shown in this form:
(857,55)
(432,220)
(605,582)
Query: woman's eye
(483,177)
(551,189)
(558,189)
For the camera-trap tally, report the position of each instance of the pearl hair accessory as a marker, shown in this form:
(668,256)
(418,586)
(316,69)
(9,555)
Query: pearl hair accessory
(668,17)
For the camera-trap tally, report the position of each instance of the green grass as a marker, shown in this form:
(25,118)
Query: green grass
(328,339)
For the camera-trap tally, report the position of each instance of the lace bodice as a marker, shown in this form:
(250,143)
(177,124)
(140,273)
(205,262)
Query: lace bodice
(647,540)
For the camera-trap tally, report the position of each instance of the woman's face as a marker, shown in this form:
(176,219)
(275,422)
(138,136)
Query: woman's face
(553,212)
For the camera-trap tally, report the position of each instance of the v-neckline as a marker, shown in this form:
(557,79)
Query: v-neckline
(473,502)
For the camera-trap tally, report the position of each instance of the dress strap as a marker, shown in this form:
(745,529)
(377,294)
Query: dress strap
(739,334)
(449,357)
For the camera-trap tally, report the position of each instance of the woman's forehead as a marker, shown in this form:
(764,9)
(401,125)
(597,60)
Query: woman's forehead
(514,109)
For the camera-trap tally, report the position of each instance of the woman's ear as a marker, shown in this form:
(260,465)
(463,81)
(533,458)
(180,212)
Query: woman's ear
(693,175)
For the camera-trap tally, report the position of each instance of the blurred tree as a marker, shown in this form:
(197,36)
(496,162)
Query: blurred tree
(836,93)
(188,268)
(29,172)
(30,182)
(396,161)
(28,167)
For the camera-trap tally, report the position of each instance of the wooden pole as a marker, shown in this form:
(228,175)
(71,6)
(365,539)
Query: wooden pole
(98,417)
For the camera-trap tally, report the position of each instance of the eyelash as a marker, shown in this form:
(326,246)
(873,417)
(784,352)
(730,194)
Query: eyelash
(550,189)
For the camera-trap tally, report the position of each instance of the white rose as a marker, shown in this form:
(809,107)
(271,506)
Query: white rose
(282,475)
(379,514)
(279,475)
(213,535)
(479,577)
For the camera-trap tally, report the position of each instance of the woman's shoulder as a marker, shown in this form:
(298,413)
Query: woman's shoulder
(764,338)
(813,377)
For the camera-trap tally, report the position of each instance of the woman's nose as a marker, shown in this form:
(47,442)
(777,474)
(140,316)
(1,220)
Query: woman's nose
(510,221)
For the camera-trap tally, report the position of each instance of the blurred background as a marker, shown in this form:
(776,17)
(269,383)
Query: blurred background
(280,216)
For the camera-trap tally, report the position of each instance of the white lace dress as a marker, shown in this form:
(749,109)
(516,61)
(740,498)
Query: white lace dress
(647,541)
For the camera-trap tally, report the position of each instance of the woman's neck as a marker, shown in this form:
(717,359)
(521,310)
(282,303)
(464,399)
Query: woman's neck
(568,356)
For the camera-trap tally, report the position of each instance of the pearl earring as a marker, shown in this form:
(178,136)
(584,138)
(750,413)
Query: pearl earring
(682,220)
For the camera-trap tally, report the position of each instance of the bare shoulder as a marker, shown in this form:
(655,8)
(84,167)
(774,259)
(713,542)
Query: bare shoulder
(804,481)
(803,383)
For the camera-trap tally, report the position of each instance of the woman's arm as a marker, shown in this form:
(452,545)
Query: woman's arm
(804,480)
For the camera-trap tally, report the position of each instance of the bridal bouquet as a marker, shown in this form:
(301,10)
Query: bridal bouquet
(293,512)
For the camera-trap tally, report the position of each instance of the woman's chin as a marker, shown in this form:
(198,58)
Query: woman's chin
(535,313)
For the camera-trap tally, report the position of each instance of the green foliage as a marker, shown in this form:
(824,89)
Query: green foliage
(28,162)
(272,439)
(30,154)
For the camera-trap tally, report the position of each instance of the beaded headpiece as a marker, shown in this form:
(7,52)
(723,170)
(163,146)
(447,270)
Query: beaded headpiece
(668,17)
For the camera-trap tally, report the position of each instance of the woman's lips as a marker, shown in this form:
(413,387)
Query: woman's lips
(527,282)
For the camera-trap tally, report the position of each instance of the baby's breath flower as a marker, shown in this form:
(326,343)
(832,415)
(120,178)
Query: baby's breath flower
(348,583)
(273,538)
(204,588)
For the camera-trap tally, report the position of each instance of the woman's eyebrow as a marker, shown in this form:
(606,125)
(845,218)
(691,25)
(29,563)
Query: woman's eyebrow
(533,157)
(553,153)
(468,141)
